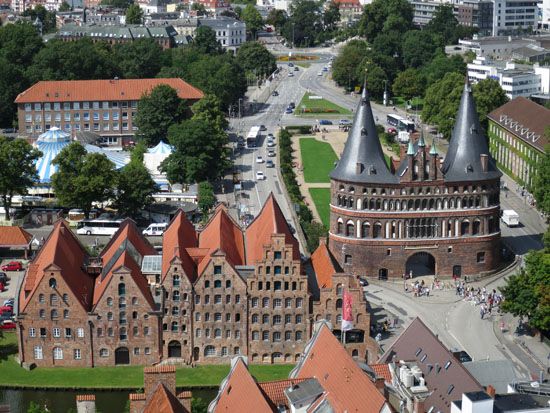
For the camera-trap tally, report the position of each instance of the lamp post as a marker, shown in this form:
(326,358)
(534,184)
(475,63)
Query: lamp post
(386,92)
(240,100)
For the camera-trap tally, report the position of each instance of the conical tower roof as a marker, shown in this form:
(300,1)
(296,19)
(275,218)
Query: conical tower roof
(468,143)
(363,160)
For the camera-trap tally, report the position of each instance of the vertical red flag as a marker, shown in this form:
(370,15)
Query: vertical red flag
(347,317)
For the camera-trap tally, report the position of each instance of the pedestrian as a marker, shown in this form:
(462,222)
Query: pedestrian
(481,312)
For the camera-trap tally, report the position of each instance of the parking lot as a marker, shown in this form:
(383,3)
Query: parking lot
(14,279)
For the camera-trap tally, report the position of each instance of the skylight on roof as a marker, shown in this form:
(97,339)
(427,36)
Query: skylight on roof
(152,264)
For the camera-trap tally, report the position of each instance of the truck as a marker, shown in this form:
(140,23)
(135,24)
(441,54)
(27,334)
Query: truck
(510,217)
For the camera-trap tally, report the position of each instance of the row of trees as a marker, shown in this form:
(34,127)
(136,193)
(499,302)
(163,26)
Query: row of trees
(25,60)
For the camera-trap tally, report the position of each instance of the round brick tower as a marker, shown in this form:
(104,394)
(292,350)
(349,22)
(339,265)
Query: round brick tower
(424,217)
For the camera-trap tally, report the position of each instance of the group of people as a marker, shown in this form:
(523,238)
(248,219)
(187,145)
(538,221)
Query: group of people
(419,288)
(487,301)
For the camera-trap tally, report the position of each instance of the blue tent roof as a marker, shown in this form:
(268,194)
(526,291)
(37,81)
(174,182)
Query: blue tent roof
(54,140)
(161,148)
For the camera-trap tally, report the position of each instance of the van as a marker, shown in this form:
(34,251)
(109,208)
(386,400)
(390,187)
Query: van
(155,229)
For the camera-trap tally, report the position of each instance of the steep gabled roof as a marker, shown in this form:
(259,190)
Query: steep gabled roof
(363,160)
(14,237)
(124,260)
(223,233)
(179,235)
(324,265)
(269,221)
(239,392)
(347,387)
(275,390)
(439,367)
(467,144)
(62,250)
(162,400)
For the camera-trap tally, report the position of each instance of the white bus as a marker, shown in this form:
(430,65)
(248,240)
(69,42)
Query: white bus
(98,227)
(253,136)
(400,123)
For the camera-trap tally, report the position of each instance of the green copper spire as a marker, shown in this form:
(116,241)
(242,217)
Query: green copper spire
(433,149)
(410,150)
(421,142)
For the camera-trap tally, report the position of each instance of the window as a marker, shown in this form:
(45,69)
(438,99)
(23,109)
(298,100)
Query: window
(277,255)
(287,318)
(481,257)
(197,299)
(175,310)
(217,299)
(110,316)
(38,353)
(299,302)
(41,299)
(217,269)
(176,281)
(197,316)
(217,333)
(298,319)
(298,335)
(77,355)
(136,351)
(217,284)
(276,336)
(207,284)
(265,335)
(265,302)
(80,332)
(110,332)
(254,318)
(347,259)
(122,334)
(42,332)
(135,314)
(224,351)
(255,302)
(99,332)
(228,284)
(175,326)
(32,332)
(175,295)
(288,302)
(237,299)
(42,313)
(209,351)
(103,352)
(255,335)
(206,316)
(65,314)
(68,332)
(121,289)
(288,335)
(276,319)
(265,319)
(237,351)
(198,332)
(228,299)
(145,331)
(147,350)
(218,316)
(206,299)
(57,353)
(53,297)
(57,332)
(121,303)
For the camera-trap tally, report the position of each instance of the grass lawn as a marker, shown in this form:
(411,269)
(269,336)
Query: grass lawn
(113,377)
(309,106)
(317,159)
(321,198)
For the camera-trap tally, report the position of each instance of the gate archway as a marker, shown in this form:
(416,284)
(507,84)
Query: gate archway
(420,263)
(174,349)
(122,356)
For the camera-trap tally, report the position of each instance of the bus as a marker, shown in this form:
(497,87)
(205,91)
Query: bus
(400,123)
(98,227)
(253,136)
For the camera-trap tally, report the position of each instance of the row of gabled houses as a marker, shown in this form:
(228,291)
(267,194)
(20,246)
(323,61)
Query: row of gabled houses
(209,296)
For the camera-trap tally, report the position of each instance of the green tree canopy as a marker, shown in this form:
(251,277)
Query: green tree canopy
(64,7)
(489,96)
(253,19)
(200,152)
(304,24)
(344,67)
(19,43)
(206,196)
(134,14)
(382,16)
(409,83)
(12,82)
(444,25)
(277,18)
(254,57)
(82,178)
(18,171)
(157,111)
(205,41)
(331,16)
(209,110)
(375,78)
(76,60)
(134,188)
(119,4)
(199,8)
(142,58)
(418,48)
(47,18)
(540,186)
(441,65)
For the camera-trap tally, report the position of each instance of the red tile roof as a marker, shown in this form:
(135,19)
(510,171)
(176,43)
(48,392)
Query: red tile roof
(179,235)
(347,387)
(275,390)
(269,221)
(14,237)
(240,393)
(223,233)
(417,336)
(63,250)
(85,398)
(324,266)
(382,370)
(102,90)
(162,400)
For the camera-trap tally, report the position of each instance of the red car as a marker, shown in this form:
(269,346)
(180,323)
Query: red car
(7,325)
(393,131)
(13,266)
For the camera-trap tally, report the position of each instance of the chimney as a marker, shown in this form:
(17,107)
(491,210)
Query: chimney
(152,376)
(484,162)
(418,406)
(379,383)
(185,399)
(85,403)
(491,391)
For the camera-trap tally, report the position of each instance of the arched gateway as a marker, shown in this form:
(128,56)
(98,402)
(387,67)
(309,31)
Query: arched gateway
(419,264)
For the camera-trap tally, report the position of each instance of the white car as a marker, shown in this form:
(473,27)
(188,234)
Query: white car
(270,144)
(319,73)
(259,159)
(260,176)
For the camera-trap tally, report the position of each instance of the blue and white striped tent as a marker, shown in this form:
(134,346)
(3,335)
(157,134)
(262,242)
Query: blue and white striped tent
(54,140)
(161,148)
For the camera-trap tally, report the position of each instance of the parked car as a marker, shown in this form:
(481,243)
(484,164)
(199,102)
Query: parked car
(291,64)
(270,144)
(290,74)
(288,110)
(6,309)
(3,277)
(325,69)
(292,105)
(344,122)
(260,176)
(296,68)
(7,325)
(155,229)
(275,93)
(270,136)
(363,282)
(271,154)
(269,164)
(13,266)
(263,128)
(2,287)
(393,131)
(259,159)
(325,122)
(9,302)
(319,73)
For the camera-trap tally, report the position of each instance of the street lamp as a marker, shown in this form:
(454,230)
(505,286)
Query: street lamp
(385,92)
(240,100)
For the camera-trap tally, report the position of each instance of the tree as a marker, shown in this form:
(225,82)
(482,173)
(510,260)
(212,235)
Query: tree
(198,405)
(206,196)
(314,231)
(418,48)
(408,84)
(205,41)
(199,8)
(82,178)
(441,65)
(119,4)
(134,14)
(64,7)
(344,67)
(198,147)
(304,23)
(444,25)
(18,171)
(382,16)
(141,58)
(209,110)
(134,189)
(46,18)
(157,111)
(277,18)
(375,76)
(488,96)
(441,102)
(37,408)
(331,17)
(254,57)
(19,43)
(527,294)
(540,186)
(253,19)
(12,82)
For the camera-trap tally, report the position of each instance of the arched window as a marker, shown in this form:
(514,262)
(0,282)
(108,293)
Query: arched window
(122,302)
(209,351)
(339,304)
(465,227)
(476,227)
(377,230)
(174,326)
(350,229)
(175,295)
(123,334)
(339,290)
(207,284)
(424,203)
(228,284)
(54,314)
(121,289)
(176,281)
(372,204)
(365,230)
(365,204)
(339,200)
(378,204)
(350,202)
(217,333)
(339,226)
(217,284)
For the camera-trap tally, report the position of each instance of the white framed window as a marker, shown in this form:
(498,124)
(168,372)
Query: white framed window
(32,332)
(57,353)
(77,354)
(80,332)
(147,350)
(103,352)
(57,332)
(38,353)
(136,351)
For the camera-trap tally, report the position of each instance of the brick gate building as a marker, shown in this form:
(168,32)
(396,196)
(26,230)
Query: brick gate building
(425,216)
